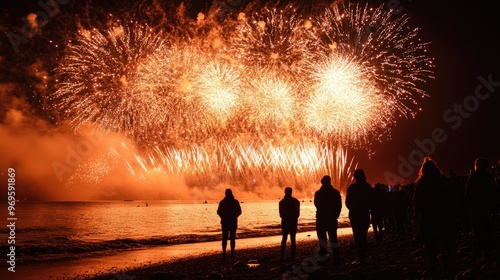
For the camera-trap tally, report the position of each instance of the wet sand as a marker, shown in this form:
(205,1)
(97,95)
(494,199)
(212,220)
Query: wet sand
(130,260)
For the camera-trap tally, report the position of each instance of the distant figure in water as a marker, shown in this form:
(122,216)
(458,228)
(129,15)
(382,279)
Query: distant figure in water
(328,204)
(229,210)
(480,195)
(436,214)
(289,208)
(359,202)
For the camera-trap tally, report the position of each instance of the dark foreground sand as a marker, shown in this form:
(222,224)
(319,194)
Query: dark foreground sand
(397,257)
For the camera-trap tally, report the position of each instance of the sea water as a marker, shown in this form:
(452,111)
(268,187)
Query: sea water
(61,230)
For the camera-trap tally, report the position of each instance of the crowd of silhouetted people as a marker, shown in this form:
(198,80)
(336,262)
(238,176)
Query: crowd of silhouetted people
(436,208)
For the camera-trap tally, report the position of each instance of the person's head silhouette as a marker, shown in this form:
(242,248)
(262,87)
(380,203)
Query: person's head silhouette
(229,193)
(326,180)
(481,164)
(429,167)
(359,174)
(288,191)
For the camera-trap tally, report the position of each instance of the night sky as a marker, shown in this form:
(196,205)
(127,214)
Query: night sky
(464,122)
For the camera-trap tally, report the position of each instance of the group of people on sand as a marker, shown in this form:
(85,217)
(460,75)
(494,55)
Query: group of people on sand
(435,210)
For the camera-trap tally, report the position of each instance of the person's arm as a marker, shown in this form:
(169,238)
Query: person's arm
(219,209)
(298,208)
(339,205)
(371,196)
(281,210)
(316,202)
(238,208)
(348,198)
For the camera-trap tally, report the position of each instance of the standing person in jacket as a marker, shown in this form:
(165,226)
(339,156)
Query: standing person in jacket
(229,210)
(435,207)
(328,204)
(289,208)
(359,200)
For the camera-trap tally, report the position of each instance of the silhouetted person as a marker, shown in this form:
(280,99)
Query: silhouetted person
(400,203)
(289,208)
(378,212)
(435,213)
(359,202)
(389,223)
(328,204)
(229,210)
(480,196)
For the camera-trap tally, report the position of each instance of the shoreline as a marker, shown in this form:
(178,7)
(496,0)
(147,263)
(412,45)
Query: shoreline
(397,257)
(90,267)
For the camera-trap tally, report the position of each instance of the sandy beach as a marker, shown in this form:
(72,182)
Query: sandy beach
(398,256)
(133,259)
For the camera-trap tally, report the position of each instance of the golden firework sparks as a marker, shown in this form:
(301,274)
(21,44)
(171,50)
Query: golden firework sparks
(281,95)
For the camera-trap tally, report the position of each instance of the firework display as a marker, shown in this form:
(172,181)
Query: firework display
(282,94)
(388,53)
(110,78)
(272,38)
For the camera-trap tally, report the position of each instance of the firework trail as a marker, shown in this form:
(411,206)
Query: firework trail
(244,164)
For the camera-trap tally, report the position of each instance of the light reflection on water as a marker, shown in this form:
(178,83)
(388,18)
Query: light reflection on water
(96,221)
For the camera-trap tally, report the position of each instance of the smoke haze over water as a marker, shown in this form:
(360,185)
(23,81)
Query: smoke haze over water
(54,163)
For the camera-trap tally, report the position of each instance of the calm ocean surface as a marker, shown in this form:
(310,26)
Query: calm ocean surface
(56,230)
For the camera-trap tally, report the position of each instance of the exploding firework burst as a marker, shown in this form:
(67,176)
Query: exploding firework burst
(345,104)
(271,102)
(273,39)
(283,97)
(388,50)
(218,85)
(135,81)
(111,79)
(203,94)
(366,73)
